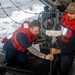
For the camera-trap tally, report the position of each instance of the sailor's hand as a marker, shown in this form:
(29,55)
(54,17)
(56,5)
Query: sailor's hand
(55,51)
(49,57)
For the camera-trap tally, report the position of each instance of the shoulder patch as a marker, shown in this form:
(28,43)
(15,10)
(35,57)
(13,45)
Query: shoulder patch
(25,25)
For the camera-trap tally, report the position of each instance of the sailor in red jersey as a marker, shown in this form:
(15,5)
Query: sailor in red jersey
(66,41)
(21,43)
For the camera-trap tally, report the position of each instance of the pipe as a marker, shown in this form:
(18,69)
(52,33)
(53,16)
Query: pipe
(49,3)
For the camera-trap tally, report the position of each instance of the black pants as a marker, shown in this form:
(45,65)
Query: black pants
(62,64)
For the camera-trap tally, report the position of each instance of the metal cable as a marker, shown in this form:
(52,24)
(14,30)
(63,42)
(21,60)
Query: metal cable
(21,9)
(7,14)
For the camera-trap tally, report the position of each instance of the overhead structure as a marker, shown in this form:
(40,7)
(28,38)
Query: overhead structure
(55,3)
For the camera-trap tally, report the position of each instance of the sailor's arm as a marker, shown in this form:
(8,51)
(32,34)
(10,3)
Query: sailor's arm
(39,54)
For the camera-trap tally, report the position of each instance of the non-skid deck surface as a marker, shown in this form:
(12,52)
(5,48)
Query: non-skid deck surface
(35,66)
